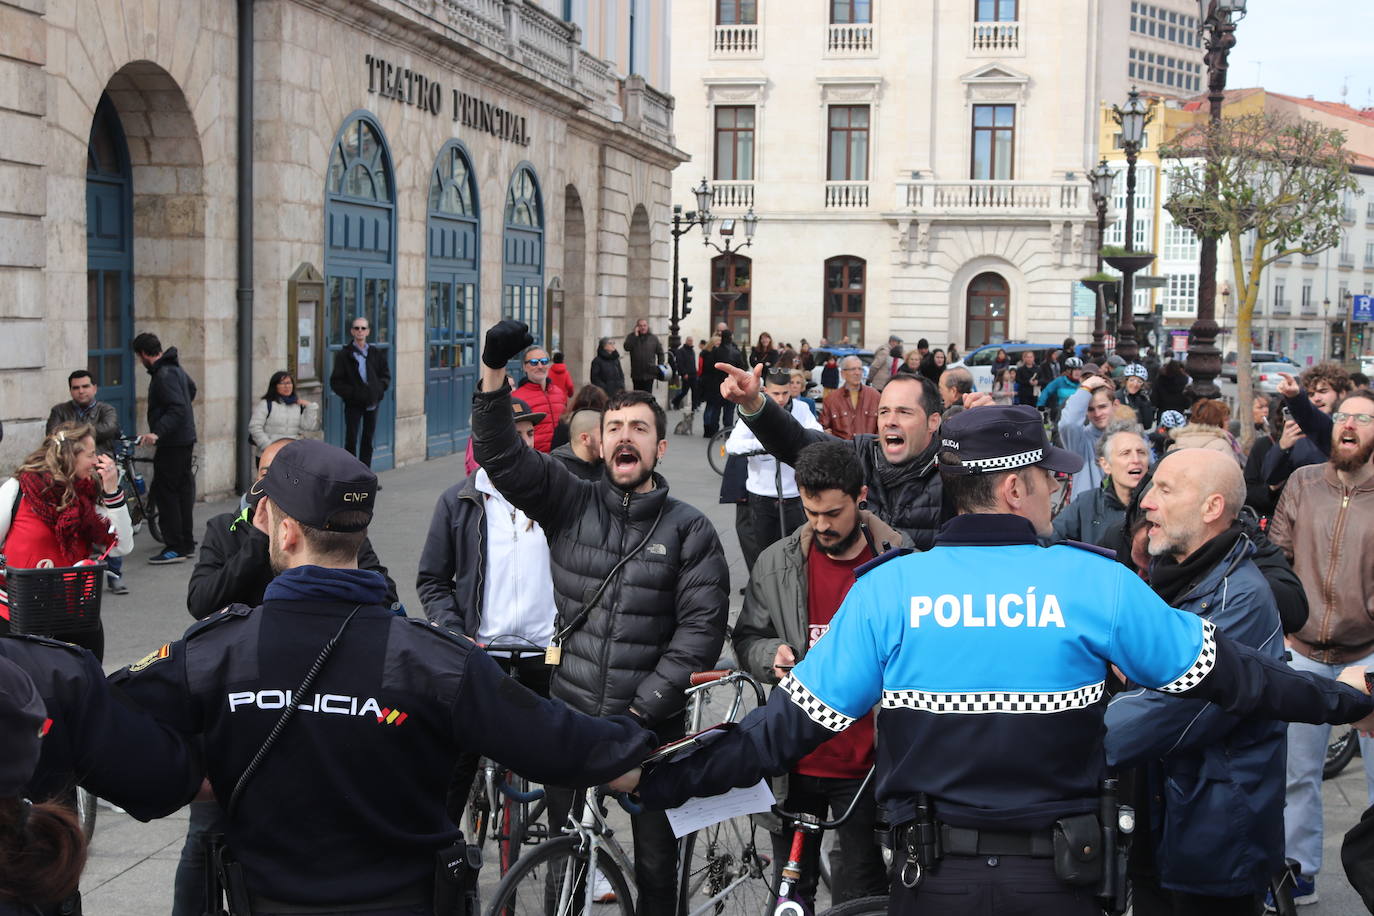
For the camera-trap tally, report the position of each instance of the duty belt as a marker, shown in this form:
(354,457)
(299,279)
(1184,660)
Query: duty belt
(966,841)
(415,895)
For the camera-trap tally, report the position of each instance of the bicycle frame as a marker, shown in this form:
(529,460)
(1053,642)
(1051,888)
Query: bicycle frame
(804,825)
(595,834)
(698,692)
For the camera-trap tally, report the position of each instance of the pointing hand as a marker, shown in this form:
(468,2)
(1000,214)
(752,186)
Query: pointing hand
(742,386)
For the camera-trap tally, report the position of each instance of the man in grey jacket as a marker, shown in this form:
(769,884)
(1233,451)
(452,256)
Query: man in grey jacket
(796,587)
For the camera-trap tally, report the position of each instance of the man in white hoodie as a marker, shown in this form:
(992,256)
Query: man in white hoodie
(774,503)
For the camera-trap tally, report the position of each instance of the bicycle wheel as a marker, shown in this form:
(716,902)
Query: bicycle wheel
(478,813)
(551,880)
(726,868)
(154,528)
(511,833)
(85,812)
(1340,752)
(715,451)
(864,906)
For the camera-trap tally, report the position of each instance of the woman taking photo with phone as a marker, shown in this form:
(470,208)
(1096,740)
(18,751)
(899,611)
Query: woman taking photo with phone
(62,507)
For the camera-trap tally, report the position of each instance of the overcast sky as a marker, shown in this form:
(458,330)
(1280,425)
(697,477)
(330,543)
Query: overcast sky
(1307,47)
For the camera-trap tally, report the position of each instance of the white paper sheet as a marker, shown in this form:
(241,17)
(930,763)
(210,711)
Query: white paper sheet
(697,813)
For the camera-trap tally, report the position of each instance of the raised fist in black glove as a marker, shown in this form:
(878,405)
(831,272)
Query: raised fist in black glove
(505,339)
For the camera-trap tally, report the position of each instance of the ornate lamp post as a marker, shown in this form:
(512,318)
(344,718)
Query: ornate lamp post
(681,226)
(1102,179)
(1132,119)
(1218,18)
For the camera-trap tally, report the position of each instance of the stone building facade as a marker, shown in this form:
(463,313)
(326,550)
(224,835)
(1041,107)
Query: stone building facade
(432,164)
(915,168)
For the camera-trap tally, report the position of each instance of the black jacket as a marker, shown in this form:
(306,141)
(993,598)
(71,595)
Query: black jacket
(645,354)
(685,361)
(233,568)
(1094,517)
(586,470)
(909,496)
(711,377)
(453,562)
(661,618)
(170,393)
(348,384)
(1140,403)
(607,373)
(114,749)
(101,416)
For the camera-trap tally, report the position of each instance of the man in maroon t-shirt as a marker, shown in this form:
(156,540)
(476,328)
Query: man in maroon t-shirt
(796,586)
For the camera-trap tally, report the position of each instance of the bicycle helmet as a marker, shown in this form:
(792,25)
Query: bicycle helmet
(1073,362)
(1137,370)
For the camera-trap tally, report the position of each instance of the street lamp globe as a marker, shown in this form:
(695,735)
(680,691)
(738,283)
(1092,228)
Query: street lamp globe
(703,195)
(1103,178)
(751,223)
(1133,119)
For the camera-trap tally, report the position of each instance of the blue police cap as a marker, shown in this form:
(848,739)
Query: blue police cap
(1002,437)
(23,719)
(313,481)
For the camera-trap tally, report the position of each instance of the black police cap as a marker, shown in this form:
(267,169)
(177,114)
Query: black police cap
(1002,437)
(313,482)
(23,718)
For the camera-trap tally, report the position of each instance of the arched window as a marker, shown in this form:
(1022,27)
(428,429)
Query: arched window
(452,286)
(844,299)
(731,286)
(359,167)
(522,262)
(988,307)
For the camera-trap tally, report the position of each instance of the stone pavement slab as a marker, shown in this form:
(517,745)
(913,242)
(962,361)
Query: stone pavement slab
(132,865)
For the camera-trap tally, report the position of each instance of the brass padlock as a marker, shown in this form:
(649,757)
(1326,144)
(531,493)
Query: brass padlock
(553,655)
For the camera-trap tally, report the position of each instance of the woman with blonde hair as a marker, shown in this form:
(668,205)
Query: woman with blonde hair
(63,506)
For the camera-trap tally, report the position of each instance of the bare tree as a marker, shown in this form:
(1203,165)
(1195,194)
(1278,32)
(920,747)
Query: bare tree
(1281,179)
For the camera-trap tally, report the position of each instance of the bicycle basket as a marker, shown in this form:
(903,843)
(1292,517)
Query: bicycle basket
(54,602)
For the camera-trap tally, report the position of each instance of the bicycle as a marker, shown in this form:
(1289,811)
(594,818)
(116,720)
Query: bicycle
(559,876)
(135,488)
(729,860)
(715,450)
(788,902)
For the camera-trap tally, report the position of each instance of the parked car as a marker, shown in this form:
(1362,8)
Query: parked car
(979,360)
(1267,377)
(1228,366)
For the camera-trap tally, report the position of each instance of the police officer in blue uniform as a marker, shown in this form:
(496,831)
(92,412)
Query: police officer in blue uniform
(330,725)
(989,656)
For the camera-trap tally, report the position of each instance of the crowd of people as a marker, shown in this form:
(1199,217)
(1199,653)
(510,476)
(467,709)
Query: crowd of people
(568,597)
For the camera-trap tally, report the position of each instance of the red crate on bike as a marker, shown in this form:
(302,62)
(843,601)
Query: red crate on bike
(55,602)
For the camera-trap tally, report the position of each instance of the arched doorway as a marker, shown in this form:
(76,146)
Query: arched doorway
(522,257)
(452,259)
(731,284)
(110,262)
(989,304)
(637,274)
(360,263)
(580,343)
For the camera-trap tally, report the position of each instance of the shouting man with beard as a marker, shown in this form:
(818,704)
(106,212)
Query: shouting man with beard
(898,463)
(640,581)
(796,587)
(1324,522)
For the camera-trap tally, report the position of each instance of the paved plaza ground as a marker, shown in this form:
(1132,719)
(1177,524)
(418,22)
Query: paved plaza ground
(132,865)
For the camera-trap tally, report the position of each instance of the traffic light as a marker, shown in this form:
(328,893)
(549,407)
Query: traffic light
(686,297)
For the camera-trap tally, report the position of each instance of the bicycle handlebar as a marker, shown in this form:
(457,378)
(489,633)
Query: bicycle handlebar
(515,794)
(702,680)
(801,820)
(706,677)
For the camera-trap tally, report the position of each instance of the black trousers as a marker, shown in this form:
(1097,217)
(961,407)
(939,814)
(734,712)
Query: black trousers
(644,384)
(1004,885)
(174,493)
(689,386)
(355,417)
(1149,899)
(529,670)
(744,530)
(767,528)
(860,872)
(717,413)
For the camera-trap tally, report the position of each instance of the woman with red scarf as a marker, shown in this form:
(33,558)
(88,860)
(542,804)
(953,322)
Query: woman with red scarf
(63,506)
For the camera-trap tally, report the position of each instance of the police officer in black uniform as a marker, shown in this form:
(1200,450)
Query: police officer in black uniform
(330,725)
(989,655)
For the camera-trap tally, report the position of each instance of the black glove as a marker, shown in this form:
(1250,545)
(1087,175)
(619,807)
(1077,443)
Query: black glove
(505,339)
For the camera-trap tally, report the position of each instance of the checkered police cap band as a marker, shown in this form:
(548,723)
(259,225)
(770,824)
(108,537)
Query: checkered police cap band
(1003,462)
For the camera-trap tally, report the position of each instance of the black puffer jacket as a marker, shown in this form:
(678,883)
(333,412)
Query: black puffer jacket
(908,496)
(607,373)
(660,618)
(170,393)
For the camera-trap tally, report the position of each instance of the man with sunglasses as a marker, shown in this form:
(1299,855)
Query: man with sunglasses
(543,397)
(360,378)
(1324,523)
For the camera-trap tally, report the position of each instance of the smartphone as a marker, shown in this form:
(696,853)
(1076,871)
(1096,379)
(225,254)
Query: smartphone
(691,741)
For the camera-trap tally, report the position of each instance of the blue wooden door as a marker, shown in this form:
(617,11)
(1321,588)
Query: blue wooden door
(110,264)
(451,301)
(360,265)
(522,257)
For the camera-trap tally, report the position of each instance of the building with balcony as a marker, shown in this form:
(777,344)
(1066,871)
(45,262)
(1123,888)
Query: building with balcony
(432,165)
(916,169)
(1302,298)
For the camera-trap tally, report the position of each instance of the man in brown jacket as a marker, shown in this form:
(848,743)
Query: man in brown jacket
(1324,522)
(853,407)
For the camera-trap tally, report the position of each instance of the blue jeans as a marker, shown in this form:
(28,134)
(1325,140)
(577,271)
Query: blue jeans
(716,413)
(1302,810)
